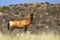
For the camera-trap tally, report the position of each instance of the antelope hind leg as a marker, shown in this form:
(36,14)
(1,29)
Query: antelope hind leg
(11,30)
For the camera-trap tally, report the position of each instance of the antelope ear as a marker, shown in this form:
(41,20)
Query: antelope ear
(32,14)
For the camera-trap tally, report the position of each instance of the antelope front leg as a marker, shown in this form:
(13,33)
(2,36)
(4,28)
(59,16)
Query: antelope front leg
(25,30)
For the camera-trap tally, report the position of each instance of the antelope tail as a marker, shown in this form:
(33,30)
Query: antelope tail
(8,26)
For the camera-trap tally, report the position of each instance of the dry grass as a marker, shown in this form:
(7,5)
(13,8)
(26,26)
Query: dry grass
(28,36)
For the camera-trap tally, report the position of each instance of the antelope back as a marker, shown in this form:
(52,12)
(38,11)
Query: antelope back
(21,23)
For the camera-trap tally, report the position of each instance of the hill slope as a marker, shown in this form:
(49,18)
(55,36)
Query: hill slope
(46,16)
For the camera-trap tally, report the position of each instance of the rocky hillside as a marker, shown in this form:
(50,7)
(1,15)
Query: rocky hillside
(46,16)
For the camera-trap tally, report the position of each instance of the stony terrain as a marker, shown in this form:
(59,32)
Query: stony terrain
(46,16)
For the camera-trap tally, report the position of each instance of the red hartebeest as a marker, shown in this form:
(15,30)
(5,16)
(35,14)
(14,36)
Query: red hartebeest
(21,23)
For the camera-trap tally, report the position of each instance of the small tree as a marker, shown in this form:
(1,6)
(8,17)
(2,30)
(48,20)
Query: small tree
(46,2)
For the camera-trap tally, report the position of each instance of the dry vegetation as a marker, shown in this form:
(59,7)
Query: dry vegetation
(46,19)
(28,36)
